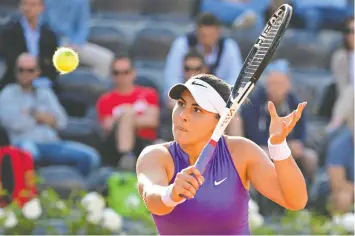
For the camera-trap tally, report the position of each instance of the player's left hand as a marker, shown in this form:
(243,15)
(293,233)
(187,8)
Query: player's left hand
(280,127)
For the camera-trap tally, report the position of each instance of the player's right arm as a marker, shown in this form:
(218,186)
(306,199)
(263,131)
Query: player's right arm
(155,168)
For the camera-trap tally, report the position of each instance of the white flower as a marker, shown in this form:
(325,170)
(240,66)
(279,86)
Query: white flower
(111,220)
(253,207)
(60,205)
(32,209)
(256,220)
(94,217)
(348,221)
(93,202)
(11,220)
(337,219)
(133,201)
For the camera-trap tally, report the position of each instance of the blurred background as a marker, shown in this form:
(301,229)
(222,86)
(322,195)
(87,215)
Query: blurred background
(81,132)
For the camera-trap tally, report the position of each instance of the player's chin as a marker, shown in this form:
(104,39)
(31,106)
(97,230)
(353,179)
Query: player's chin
(181,137)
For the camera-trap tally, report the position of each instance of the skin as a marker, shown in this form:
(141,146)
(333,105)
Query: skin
(128,121)
(280,181)
(277,88)
(31,9)
(27,71)
(208,37)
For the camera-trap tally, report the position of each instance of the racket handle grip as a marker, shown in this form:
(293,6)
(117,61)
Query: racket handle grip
(205,156)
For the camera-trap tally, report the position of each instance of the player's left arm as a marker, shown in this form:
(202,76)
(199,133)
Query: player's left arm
(280,180)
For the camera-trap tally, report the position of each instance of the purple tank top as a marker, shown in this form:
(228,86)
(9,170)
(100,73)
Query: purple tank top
(220,205)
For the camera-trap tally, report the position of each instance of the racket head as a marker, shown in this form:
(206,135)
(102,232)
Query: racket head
(254,65)
(262,51)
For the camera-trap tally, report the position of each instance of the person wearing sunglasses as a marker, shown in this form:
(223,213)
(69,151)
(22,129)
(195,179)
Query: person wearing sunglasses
(129,114)
(32,116)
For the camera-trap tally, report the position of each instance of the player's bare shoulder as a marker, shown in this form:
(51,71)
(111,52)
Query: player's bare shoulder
(156,153)
(240,146)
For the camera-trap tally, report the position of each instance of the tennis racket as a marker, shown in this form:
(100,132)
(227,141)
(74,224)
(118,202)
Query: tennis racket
(254,65)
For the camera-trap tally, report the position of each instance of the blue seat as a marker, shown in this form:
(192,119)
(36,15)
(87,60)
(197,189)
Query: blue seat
(63,179)
(109,37)
(303,49)
(132,6)
(184,8)
(79,90)
(153,43)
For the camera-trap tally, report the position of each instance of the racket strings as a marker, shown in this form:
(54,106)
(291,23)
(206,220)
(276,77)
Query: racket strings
(255,61)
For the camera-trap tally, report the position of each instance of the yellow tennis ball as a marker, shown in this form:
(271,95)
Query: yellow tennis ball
(65,60)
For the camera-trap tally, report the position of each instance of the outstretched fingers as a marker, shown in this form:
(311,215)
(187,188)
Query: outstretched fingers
(296,115)
(272,110)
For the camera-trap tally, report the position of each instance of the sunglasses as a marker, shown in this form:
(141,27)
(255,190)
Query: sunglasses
(191,68)
(121,72)
(26,70)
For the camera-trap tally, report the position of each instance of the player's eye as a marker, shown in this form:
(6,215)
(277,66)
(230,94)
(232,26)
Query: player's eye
(196,109)
(181,104)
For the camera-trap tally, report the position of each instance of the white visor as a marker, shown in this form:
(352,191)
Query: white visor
(203,93)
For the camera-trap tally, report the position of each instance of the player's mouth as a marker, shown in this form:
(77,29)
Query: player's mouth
(181,129)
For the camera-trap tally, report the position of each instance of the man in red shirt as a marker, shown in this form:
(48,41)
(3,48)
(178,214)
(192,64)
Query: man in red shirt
(129,114)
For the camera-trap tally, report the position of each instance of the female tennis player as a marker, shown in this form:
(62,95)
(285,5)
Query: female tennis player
(217,203)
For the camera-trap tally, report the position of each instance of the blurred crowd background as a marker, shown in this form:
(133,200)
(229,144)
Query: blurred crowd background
(80,128)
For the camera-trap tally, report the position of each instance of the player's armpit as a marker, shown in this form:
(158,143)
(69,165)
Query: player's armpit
(281,181)
(153,177)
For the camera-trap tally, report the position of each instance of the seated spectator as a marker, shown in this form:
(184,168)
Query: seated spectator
(322,14)
(340,157)
(70,19)
(194,63)
(343,69)
(221,54)
(28,34)
(129,114)
(256,120)
(32,116)
(238,11)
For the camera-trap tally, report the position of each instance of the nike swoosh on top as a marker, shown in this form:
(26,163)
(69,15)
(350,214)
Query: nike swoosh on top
(194,82)
(219,182)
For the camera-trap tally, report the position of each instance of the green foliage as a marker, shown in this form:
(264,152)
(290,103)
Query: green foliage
(301,223)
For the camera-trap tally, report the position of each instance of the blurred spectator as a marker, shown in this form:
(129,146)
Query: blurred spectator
(256,120)
(129,114)
(340,156)
(343,70)
(238,12)
(28,34)
(194,63)
(317,14)
(221,54)
(70,19)
(32,116)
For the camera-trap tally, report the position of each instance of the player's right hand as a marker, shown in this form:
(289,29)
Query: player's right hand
(186,183)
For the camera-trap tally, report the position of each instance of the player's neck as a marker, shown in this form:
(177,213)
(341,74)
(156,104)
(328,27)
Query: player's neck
(193,151)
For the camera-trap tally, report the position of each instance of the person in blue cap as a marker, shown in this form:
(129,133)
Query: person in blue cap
(277,89)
